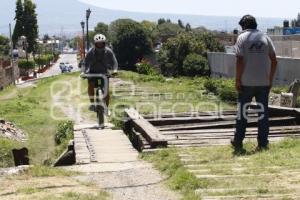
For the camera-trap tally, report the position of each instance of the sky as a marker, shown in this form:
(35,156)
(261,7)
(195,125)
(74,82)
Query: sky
(259,8)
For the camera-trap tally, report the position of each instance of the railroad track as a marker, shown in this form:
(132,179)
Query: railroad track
(203,129)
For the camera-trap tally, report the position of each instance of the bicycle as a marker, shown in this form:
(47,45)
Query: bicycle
(102,89)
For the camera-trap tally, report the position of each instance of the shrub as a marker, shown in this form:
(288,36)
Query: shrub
(223,88)
(44,60)
(4,46)
(146,68)
(279,90)
(64,131)
(228,94)
(24,64)
(175,50)
(56,56)
(41,61)
(195,65)
(211,86)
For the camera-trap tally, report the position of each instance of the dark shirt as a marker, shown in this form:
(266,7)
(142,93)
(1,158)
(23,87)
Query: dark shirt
(99,61)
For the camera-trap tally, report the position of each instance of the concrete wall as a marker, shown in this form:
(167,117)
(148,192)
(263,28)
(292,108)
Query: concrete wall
(8,73)
(223,65)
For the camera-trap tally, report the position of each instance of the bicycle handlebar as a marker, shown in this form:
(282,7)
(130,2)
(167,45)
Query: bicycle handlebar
(84,76)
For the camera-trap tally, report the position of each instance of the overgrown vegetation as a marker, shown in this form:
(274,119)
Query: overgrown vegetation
(168,162)
(146,68)
(79,196)
(252,173)
(279,90)
(185,54)
(64,132)
(44,60)
(31,110)
(6,156)
(45,171)
(4,46)
(223,88)
(195,65)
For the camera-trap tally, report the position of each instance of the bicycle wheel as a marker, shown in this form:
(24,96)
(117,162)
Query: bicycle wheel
(99,109)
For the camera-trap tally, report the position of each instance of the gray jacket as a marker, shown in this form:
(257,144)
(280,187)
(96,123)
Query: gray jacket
(100,61)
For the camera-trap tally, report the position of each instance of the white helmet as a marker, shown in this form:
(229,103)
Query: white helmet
(99,38)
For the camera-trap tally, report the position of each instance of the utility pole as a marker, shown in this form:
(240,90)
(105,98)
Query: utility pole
(11,55)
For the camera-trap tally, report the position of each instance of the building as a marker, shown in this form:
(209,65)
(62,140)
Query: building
(288,28)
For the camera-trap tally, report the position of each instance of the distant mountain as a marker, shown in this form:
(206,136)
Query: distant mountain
(57,16)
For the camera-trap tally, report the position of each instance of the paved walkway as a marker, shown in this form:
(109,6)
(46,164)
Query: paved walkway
(108,160)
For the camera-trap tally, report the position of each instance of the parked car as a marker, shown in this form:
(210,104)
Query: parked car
(69,66)
(65,67)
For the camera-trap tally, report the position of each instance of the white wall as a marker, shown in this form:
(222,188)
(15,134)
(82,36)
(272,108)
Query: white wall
(223,65)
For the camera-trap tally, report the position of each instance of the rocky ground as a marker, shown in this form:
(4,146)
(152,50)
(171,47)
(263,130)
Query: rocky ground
(10,131)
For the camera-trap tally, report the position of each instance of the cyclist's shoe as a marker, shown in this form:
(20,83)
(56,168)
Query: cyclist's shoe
(101,127)
(92,108)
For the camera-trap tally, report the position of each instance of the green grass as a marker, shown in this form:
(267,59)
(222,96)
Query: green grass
(28,190)
(30,109)
(45,171)
(6,156)
(78,196)
(165,95)
(180,179)
(269,170)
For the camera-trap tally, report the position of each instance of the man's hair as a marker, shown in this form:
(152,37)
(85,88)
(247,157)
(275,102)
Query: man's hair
(248,22)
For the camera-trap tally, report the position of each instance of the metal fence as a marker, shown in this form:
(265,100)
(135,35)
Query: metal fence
(287,45)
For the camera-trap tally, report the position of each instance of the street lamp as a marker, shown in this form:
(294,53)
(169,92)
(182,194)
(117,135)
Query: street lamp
(88,13)
(83,40)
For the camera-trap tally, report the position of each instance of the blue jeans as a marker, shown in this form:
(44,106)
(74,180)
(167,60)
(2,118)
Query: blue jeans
(261,94)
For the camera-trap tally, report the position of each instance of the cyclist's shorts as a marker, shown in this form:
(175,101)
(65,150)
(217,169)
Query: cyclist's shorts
(97,80)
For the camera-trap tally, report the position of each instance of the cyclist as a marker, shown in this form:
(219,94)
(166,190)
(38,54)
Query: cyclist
(98,61)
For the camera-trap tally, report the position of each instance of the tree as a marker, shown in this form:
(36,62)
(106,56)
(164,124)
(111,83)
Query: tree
(293,23)
(168,29)
(175,51)
(212,44)
(130,42)
(46,38)
(180,23)
(19,26)
(298,20)
(101,28)
(188,27)
(195,65)
(4,46)
(151,30)
(186,53)
(30,24)
(161,21)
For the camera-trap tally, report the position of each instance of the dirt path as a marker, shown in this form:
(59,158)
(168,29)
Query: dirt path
(117,168)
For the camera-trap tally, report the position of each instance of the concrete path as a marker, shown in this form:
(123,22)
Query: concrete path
(113,164)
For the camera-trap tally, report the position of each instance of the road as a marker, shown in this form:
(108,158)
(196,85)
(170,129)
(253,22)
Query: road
(55,70)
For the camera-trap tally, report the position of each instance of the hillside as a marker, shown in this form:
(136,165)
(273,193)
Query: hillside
(56,16)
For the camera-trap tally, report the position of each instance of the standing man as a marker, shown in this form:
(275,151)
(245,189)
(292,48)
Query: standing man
(255,69)
(99,60)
